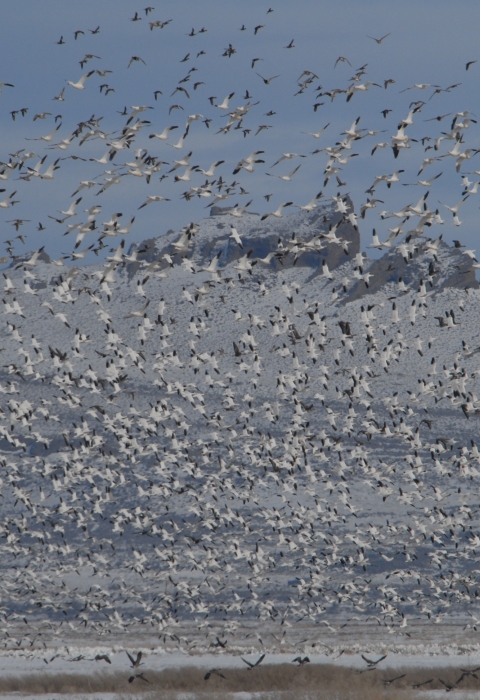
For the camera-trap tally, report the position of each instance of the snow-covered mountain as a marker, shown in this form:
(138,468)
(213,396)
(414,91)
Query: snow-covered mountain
(214,432)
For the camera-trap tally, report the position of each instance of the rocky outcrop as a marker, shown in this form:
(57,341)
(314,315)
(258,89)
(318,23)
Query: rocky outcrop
(212,236)
(450,269)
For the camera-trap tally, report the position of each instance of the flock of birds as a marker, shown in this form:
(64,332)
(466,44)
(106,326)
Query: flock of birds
(228,429)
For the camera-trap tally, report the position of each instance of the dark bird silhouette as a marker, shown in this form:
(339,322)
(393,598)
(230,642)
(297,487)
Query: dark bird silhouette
(257,662)
(135,662)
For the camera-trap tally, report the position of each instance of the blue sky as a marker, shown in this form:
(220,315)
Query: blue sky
(429,42)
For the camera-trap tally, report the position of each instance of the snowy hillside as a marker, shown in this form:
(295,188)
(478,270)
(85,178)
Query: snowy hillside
(220,434)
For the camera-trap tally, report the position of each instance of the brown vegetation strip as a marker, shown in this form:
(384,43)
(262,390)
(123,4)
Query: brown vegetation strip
(305,681)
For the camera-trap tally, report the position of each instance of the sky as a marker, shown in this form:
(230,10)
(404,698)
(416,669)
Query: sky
(428,42)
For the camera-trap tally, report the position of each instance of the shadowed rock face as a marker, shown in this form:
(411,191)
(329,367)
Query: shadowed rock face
(212,236)
(453,269)
(261,237)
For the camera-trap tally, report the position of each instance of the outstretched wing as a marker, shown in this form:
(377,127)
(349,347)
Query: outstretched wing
(259,661)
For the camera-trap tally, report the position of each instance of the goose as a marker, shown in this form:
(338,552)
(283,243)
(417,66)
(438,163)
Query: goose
(352,131)
(224,104)
(212,266)
(371,663)
(248,167)
(254,665)
(138,675)
(35,171)
(7,202)
(164,135)
(342,59)
(278,212)
(244,264)
(192,118)
(318,134)
(286,156)
(136,59)
(153,198)
(312,204)
(393,178)
(288,177)
(71,209)
(376,243)
(268,258)
(105,159)
(236,237)
(456,207)
(211,170)
(267,81)
(379,41)
(419,86)
(186,175)
(237,211)
(135,663)
(80,84)
(325,271)
(138,314)
(424,183)
(183,162)
(180,142)
(49,137)
(49,172)
(359,88)
(213,671)
(301,660)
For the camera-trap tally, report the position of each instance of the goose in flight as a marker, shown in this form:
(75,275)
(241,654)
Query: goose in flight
(224,104)
(138,314)
(49,137)
(211,170)
(237,211)
(102,657)
(135,59)
(80,84)
(379,41)
(359,88)
(138,675)
(247,163)
(278,212)
(287,156)
(301,660)
(312,204)
(135,663)
(267,81)
(186,175)
(419,86)
(153,198)
(257,662)
(318,133)
(180,142)
(213,671)
(285,178)
(7,202)
(236,236)
(371,663)
(244,264)
(164,135)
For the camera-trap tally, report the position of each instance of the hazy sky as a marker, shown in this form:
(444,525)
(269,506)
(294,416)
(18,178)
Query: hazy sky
(430,42)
